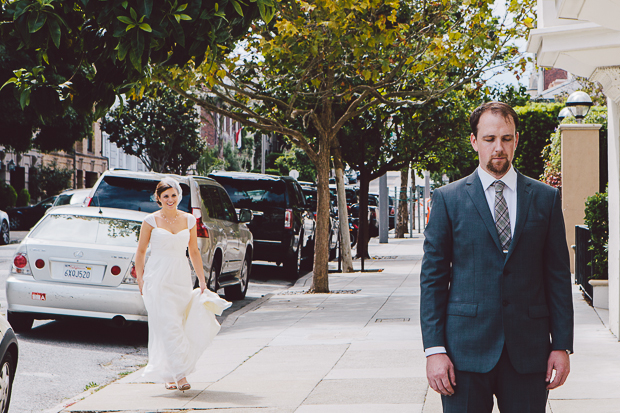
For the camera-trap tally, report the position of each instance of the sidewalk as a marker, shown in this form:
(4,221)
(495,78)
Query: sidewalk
(357,350)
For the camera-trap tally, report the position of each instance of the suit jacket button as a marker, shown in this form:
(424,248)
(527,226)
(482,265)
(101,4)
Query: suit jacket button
(505,303)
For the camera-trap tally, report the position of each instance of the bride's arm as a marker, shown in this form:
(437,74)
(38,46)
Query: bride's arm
(143,243)
(194,255)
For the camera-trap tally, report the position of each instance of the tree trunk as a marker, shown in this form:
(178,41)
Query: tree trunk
(413,196)
(343,216)
(402,220)
(362,240)
(320,281)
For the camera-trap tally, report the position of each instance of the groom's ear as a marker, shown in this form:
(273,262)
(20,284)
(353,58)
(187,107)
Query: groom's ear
(474,142)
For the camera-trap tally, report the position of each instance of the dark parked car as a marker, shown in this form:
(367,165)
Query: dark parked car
(24,218)
(282,224)
(373,200)
(373,221)
(334,224)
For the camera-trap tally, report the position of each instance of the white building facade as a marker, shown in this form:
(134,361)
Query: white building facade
(583,37)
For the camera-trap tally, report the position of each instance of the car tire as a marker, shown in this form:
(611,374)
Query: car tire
(16,223)
(237,292)
(7,374)
(293,263)
(20,322)
(214,275)
(5,235)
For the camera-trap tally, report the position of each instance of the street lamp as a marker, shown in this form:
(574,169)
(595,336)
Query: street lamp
(565,112)
(579,104)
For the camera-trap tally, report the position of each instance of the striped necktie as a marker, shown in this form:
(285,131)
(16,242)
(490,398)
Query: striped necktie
(502,218)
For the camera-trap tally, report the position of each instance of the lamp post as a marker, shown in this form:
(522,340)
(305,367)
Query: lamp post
(579,104)
(565,112)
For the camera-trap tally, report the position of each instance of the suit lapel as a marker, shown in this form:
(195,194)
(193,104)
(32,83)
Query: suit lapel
(524,197)
(476,193)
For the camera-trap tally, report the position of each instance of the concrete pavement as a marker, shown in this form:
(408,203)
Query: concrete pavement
(358,349)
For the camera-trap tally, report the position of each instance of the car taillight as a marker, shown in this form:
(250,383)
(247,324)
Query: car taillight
(87,201)
(201,229)
(20,260)
(288,219)
(20,264)
(115,270)
(130,276)
(39,263)
(392,211)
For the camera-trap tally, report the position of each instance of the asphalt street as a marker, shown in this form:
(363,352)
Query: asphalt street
(61,359)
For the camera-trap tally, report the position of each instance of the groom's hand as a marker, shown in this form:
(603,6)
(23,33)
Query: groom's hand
(560,362)
(440,374)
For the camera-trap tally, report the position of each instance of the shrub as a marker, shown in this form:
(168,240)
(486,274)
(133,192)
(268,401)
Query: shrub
(8,196)
(597,220)
(23,198)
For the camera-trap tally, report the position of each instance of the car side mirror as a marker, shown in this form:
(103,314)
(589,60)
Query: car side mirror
(245,215)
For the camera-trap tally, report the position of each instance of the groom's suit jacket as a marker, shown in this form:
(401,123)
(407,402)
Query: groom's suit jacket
(475,298)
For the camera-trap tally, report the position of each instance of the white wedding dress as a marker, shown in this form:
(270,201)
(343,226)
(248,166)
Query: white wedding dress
(182,321)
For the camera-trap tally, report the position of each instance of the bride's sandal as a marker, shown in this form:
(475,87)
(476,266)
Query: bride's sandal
(184,387)
(170,386)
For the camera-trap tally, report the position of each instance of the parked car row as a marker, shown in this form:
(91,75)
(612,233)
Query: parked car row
(79,261)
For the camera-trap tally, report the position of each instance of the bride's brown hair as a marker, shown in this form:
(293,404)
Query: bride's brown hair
(164,185)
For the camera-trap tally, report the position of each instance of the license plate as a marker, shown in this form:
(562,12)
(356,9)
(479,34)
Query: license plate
(77,273)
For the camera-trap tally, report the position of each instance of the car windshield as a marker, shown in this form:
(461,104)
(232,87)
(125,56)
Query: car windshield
(63,199)
(253,194)
(87,230)
(132,193)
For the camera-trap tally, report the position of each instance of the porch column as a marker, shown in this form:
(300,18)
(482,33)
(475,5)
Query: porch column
(580,175)
(609,78)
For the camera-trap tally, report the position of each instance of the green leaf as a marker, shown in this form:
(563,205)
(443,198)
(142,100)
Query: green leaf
(54,29)
(133,13)
(21,8)
(237,7)
(177,32)
(135,60)
(146,27)
(182,7)
(36,21)
(184,17)
(12,80)
(125,19)
(123,48)
(24,98)
(145,7)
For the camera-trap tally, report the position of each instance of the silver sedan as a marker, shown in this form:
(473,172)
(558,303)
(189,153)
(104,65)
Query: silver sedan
(77,262)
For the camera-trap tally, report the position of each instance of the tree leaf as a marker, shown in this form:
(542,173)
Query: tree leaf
(133,13)
(12,80)
(36,21)
(177,32)
(54,29)
(24,98)
(123,48)
(145,7)
(182,7)
(146,27)
(125,19)
(237,7)
(135,60)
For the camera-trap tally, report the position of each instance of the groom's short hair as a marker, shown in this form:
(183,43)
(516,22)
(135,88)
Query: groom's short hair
(495,107)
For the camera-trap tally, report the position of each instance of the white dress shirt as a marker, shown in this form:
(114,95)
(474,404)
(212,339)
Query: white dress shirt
(510,194)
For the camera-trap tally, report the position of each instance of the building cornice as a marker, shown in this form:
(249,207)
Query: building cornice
(609,78)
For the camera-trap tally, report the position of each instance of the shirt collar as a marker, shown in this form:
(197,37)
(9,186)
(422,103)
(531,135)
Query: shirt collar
(510,179)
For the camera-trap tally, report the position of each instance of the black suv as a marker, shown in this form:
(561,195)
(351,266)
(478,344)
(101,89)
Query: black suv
(282,224)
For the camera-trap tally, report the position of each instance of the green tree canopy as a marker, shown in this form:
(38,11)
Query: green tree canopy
(162,129)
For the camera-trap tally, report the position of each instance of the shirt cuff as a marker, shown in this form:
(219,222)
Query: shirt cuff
(434,350)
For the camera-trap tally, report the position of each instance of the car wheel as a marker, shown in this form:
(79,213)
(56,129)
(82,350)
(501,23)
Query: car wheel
(15,223)
(7,373)
(293,263)
(5,236)
(237,292)
(20,322)
(214,275)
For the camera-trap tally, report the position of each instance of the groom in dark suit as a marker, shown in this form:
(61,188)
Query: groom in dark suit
(496,305)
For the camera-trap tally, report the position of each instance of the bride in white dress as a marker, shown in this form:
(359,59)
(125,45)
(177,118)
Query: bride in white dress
(182,321)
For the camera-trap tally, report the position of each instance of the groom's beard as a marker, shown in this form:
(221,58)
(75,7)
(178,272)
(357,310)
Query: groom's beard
(499,168)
